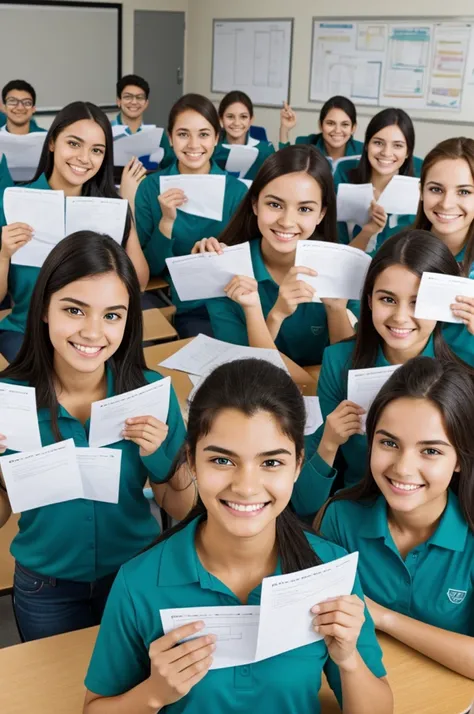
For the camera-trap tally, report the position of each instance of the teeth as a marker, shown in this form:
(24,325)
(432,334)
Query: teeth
(384,161)
(284,235)
(79,169)
(399,331)
(87,350)
(193,154)
(405,486)
(448,216)
(241,507)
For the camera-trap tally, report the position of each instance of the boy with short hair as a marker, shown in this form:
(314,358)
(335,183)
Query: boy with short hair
(19,105)
(132,99)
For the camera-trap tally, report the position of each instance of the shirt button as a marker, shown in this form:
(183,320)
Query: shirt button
(245,671)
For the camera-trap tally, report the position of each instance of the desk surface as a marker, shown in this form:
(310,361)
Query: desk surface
(7,564)
(157,284)
(47,677)
(156,326)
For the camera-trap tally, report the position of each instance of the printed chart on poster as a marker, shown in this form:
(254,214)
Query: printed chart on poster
(253,56)
(424,64)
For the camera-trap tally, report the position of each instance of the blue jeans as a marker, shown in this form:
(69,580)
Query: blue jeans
(47,606)
(10,343)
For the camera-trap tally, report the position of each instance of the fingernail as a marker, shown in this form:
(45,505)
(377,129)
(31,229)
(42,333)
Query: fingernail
(315,608)
(199,626)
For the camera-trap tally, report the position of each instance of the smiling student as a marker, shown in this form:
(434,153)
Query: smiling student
(412,517)
(388,334)
(76,159)
(83,343)
(163,229)
(447,198)
(244,447)
(19,104)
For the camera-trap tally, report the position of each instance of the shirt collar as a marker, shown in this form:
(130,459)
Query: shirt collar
(451,532)
(215,169)
(375,526)
(259,267)
(382,361)
(41,182)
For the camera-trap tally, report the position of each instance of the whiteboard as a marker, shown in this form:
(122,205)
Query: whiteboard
(423,64)
(253,56)
(68,52)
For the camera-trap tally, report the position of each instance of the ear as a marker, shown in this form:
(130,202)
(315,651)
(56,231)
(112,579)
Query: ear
(118,102)
(255,206)
(169,138)
(321,215)
(299,466)
(369,300)
(51,145)
(221,123)
(353,130)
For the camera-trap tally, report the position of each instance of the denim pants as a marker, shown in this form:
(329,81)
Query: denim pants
(47,606)
(10,343)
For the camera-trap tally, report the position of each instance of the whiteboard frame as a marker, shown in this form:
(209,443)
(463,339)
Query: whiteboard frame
(75,3)
(291,20)
(416,114)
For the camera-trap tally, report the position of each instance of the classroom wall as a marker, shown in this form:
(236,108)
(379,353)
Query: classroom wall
(199,51)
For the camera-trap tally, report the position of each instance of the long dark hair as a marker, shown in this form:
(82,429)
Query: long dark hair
(420,252)
(339,102)
(387,117)
(243,225)
(80,255)
(250,386)
(451,389)
(102,183)
(457,148)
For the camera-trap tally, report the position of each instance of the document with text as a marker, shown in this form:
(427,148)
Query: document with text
(341,269)
(437,293)
(363,385)
(19,417)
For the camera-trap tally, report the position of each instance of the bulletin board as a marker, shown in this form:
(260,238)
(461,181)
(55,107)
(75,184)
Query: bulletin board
(423,64)
(253,56)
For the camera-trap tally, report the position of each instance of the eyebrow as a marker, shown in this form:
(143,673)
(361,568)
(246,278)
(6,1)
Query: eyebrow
(78,138)
(395,141)
(185,128)
(281,200)
(428,442)
(84,304)
(228,452)
(461,185)
(389,292)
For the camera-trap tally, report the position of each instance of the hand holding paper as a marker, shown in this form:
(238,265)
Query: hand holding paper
(341,270)
(19,417)
(363,385)
(353,202)
(437,293)
(204,193)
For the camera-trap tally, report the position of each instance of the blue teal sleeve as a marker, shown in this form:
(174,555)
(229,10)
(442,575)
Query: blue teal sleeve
(367,646)
(460,340)
(169,155)
(343,233)
(330,529)
(159,463)
(120,658)
(156,247)
(304,139)
(332,389)
(236,191)
(227,321)
(315,481)
(282,144)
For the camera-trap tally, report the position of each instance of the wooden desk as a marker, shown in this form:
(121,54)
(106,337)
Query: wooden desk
(157,327)
(7,564)
(46,677)
(157,284)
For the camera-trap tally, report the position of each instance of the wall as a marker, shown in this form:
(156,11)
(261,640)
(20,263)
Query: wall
(199,50)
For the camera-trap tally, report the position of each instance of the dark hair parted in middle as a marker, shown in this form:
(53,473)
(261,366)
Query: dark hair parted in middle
(235,97)
(195,103)
(339,102)
(243,225)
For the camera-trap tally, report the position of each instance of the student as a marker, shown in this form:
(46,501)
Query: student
(447,198)
(163,229)
(77,159)
(387,334)
(244,448)
(19,104)
(83,344)
(337,122)
(388,151)
(412,517)
(236,116)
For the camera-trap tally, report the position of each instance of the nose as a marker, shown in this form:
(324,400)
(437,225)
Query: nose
(447,200)
(246,482)
(402,313)
(403,465)
(287,218)
(92,328)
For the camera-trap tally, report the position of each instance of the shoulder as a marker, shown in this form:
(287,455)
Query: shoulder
(152,376)
(340,353)
(326,550)
(344,511)
(151,182)
(14,382)
(143,568)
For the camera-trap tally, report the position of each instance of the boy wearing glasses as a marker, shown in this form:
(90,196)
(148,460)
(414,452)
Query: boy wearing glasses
(132,100)
(19,100)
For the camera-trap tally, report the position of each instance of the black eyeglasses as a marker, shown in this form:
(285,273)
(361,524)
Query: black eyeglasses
(13,102)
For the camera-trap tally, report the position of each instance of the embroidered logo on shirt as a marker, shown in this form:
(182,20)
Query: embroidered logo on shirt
(317,329)
(456,596)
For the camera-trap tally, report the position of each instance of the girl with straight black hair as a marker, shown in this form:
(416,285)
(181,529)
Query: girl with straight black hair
(245,449)
(388,333)
(412,517)
(83,343)
(77,158)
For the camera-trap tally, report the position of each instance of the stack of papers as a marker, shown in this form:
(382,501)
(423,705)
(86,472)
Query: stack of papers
(363,385)
(241,158)
(45,212)
(205,275)
(22,153)
(437,293)
(204,354)
(143,143)
(247,634)
(204,193)
(401,196)
(19,417)
(353,202)
(341,269)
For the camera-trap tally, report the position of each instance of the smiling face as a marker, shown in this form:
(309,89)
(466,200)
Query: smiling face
(387,151)
(412,459)
(236,122)
(337,128)
(448,198)
(132,102)
(288,209)
(193,139)
(86,321)
(79,152)
(393,306)
(19,107)
(245,469)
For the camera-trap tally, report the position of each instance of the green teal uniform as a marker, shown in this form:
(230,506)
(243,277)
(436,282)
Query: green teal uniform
(187,229)
(332,388)
(265,149)
(303,335)
(353,148)
(460,259)
(3,119)
(86,540)
(5,176)
(313,487)
(433,583)
(171,575)
(168,156)
(33,128)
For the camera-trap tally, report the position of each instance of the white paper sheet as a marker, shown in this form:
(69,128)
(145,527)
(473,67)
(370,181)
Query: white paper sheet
(22,151)
(121,129)
(236,629)
(19,417)
(401,196)
(341,269)
(204,354)
(353,202)
(205,275)
(102,215)
(41,478)
(437,292)
(204,193)
(247,182)
(108,415)
(314,417)
(43,210)
(363,385)
(286,602)
(143,143)
(100,473)
(241,158)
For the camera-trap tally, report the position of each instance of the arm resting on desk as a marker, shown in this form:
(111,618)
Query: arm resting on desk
(361,688)
(139,700)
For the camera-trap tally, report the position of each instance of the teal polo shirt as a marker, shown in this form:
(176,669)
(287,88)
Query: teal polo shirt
(264,148)
(168,156)
(33,128)
(460,259)
(303,335)
(5,176)
(171,575)
(313,487)
(85,540)
(3,119)
(435,581)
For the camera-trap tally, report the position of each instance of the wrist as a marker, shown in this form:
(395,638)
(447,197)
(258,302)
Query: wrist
(350,664)
(4,258)
(153,702)
(165,227)
(327,451)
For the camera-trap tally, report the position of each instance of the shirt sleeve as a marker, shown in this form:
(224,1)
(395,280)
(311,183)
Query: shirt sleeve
(156,246)
(331,387)
(313,487)
(120,658)
(159,463)
(330,527)
(238,193)
(227,321)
